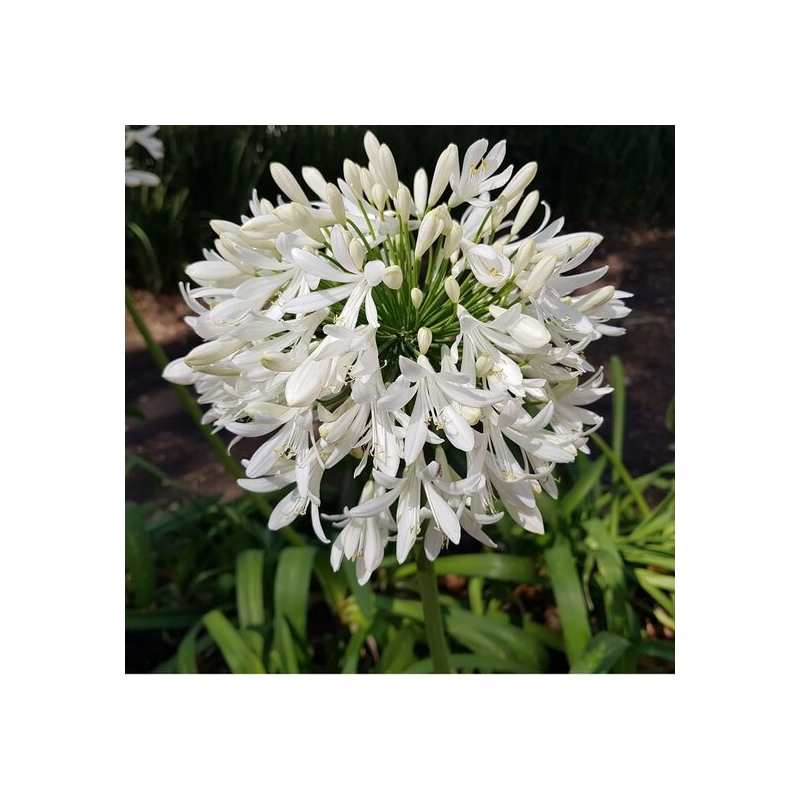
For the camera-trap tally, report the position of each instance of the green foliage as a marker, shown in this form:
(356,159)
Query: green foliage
(613,172)
(595,594)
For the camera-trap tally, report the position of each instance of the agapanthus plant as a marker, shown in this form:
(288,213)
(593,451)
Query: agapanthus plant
(146,138)
(432,337)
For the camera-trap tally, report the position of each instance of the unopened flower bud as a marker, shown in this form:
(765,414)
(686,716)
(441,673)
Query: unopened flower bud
(523,256)
(444,215)
(452,240)
(520,181)
(483,365)
(403,203)
(452,289)
(539,276)
(594,300)
(352,176)
(424,339)
(379,196)
(314,180)
(356,252)
(367,181)
(441,174)
(209,352)
(525,212)
(499,210)
(416,297)
(287,183)
(421,191)
(429,231)
(307,224)
(389,169)
(336,202)
(393,277)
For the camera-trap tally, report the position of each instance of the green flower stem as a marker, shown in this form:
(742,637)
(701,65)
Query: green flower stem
(192,409)
(434,628)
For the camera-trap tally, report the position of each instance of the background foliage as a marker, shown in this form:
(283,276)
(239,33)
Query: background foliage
(613,172)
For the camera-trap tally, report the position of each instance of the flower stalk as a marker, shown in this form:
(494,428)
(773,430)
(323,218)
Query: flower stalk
(434,626)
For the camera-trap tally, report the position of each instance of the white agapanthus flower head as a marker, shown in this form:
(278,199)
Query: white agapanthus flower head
(146,137)
(427,343)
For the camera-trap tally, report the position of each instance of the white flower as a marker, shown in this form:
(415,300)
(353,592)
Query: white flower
(155,147)
(361,327)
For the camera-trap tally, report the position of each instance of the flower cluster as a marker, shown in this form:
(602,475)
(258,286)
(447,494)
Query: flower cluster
(146,137)
(444,354)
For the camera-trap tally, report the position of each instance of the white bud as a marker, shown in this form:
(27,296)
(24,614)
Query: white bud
(393,277)
(288,216)
(424,339)
(367,181)
(389,169)
(499,210)
(379,196)
(483,365)
(441,175)
(525,212)
(403,203)
(307,224)
(372,146)
(352,176)
(539,276)
(416,297)
(429,231)
(314,180)
(336,202)
(523,256)
(421,191)
(444,215)
(452,289)
(520,181)
(356,252)
(209,352)
(287,184)
(592,301)
(453,240)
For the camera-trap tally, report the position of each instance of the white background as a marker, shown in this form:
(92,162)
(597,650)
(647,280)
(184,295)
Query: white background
(724,726)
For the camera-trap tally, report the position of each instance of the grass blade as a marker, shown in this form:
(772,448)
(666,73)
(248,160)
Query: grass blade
(235,650)
(139,556)
(517,569)
(250,597)
(569,598)
(602,652)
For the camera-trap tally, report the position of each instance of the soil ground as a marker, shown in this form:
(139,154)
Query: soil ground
(641,260)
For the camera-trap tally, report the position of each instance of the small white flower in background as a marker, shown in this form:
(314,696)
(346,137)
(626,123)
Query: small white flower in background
(369,324)
(146,137)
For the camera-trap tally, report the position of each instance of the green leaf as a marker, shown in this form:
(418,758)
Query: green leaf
(469,661)
(475,594)
(496,639)
(139,556)
(161,620)
(364,595)
(250,597)
(569,598)
(235,650)
(587,481)
(399,653)
(517,569)
(186,659)
(602,652)
(284,649)
(292,581)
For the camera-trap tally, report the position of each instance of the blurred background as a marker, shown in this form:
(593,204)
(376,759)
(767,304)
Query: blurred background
(188,523)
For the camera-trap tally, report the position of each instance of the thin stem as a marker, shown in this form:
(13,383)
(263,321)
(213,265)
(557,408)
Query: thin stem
(434,628)
(192,409)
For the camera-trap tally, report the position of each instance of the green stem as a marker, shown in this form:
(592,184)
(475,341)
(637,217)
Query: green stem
(192,409)
(434,628)
(623,473)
